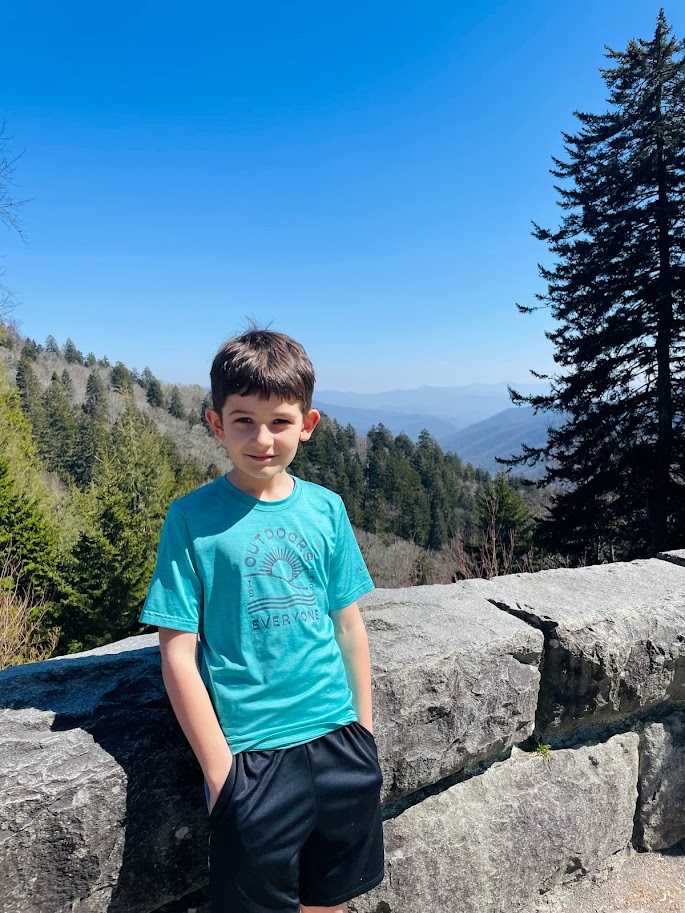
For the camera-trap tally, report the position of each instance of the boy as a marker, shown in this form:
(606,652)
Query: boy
(265,569)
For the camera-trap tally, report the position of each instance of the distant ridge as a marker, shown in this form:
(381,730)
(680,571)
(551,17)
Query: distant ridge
(457,406)
(501,435)
(441,410)
(362,420)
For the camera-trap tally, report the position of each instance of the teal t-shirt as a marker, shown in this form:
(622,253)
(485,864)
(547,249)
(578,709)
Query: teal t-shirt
(258,580)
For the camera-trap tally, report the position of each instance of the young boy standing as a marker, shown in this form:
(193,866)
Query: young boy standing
(265,570)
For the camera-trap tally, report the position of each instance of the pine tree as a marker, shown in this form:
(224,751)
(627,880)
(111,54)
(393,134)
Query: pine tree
(31,349)
(616,289)
(115,554)
(506,523)
(31,398)
(72,354)
(58,445)
(155,394)
(68,385)
(28,530)
(146,378)
(93,431)
(51,346)
(121,379)
(91,360)
(176,404)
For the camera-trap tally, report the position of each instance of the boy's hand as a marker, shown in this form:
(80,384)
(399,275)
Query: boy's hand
(216,784)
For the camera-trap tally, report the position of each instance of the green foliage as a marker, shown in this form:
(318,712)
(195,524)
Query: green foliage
(30,350)
(503,513)
(146,378)
(176,404)
(28,531)
(617,464)
(155,394)
(72,354)
(58,446)
(91,360)
(93,437)
(114,557)
(206,404)
(414,491)
(51,346)
(68,385)
(121,378)
(543,749)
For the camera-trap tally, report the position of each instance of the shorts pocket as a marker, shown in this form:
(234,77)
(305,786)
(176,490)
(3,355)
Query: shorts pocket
(367,734)
(364,729)
(226,791)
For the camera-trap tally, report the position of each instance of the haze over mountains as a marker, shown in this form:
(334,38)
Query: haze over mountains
(477,421)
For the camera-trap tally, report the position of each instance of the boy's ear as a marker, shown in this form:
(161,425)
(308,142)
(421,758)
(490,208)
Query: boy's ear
(213,419)
(311,420)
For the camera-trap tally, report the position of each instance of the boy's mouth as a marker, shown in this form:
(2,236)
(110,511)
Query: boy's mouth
(261,459)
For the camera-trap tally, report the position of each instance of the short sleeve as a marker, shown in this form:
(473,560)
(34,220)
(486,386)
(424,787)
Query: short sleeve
(348,579)
(174,599)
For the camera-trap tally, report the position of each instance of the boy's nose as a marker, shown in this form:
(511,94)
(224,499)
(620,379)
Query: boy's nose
(263,435)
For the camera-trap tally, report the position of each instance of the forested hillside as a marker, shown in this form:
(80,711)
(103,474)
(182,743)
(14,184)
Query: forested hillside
(92,455)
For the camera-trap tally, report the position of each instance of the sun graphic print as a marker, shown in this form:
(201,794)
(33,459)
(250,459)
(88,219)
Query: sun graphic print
(282,572)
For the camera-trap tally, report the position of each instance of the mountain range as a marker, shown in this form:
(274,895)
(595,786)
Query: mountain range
(477,421)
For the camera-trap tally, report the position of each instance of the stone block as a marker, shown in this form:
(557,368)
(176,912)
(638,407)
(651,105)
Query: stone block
(101,801)
(614,637)
(660,821)
(455,681)
(496,842)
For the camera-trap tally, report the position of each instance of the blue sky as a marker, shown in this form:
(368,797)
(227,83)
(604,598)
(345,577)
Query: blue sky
(363,175)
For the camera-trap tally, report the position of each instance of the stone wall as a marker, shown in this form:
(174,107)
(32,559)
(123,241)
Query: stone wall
(101,804)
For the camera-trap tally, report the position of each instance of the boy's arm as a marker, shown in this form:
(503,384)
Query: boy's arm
(350,634)
(193,707)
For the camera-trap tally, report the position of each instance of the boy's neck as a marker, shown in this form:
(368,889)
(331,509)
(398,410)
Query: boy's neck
(276,489)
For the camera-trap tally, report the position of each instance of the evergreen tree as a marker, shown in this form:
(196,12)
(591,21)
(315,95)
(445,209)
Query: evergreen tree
(68,385)
(93,431)
(206,404)
(59,443)
(155,394)
(115,555)
(95,403)
(121,379)
(91,360)
(51,346)
(31,349)
(176,404)
(31,398)
(505,519)
(28,530)
(616,289)
(72,354)
(146,378)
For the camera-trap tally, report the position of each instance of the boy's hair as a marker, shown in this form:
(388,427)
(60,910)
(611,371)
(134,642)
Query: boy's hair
(262,362)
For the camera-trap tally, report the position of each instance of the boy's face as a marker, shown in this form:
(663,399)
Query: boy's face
(261,438)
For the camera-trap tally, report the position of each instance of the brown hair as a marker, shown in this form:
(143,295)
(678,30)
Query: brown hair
(262,362)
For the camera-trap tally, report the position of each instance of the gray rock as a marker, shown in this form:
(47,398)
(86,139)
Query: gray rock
(660,821)
(677,556)
(494,843)
(455,681)
(101,803)
(614,637)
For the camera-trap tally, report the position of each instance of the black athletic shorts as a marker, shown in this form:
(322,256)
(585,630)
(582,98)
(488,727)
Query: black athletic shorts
(298,825)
